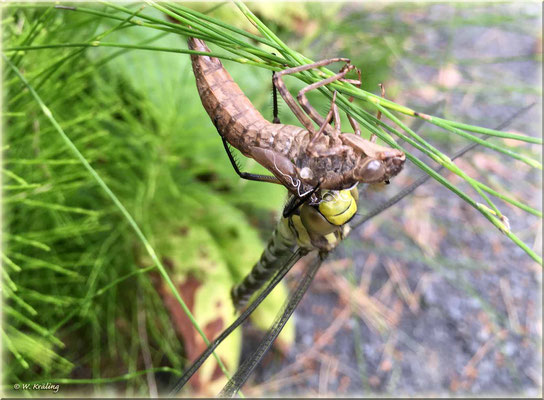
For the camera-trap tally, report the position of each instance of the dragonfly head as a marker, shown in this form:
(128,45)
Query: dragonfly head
(393,161)
(381,167)
(377,163)
(336,208)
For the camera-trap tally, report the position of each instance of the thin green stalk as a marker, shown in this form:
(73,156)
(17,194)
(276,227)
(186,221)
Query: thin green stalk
(211,31)
(9,293)
(139,47)
(343,101)
(222,39)
(487,131)
(510,200)
(8,280)
(13,350)
(29,242)
(32,33)
(445,161)
(522,245)
(159,25)
(350,90)
(489,215)
(197,15)
(283,48)
(48,72)
(275,42)
(500,149)
(10,263)
(33,326)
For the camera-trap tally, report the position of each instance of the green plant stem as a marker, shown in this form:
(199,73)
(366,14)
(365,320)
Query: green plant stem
(140,47)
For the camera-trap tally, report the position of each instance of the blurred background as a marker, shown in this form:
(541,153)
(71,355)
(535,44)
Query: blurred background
(427,298)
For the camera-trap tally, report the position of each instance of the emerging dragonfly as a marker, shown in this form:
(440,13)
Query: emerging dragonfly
(301,159)
(309,228)
(285,263)
(316,166)
(315,218)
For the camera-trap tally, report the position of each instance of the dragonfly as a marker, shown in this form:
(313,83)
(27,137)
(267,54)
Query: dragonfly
(248,366)
(309,226)
(321,227)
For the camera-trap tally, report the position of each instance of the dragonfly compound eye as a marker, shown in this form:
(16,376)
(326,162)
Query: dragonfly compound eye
(394,164)
(315,222)
(371,171)
(338,207)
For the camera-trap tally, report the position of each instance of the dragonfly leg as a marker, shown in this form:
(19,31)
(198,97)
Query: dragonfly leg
(295,202)
(305,104)
(332,114)
(247,175)
(275,112)
(288,97)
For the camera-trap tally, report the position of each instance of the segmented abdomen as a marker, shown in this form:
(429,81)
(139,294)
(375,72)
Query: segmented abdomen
(230,110)
(279,249)
(234,116)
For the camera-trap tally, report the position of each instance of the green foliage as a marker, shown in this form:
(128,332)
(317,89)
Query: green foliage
(74,267)
(77,274)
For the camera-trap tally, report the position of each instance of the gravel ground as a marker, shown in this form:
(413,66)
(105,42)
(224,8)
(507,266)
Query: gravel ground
(440,303)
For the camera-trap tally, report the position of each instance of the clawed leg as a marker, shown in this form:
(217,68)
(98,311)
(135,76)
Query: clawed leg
(295,202)
(275,111)
(247,175)
(332,114)
(305,104)
(288,97)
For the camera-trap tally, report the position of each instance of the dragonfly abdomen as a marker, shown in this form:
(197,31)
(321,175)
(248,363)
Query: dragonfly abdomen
(279,248)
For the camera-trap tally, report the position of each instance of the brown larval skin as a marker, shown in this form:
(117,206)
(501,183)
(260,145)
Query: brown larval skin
(239,122)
